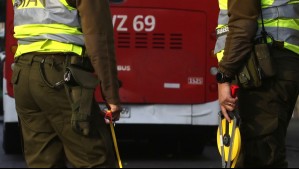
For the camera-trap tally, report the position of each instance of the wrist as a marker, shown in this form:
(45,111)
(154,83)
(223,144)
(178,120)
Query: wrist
(223,78)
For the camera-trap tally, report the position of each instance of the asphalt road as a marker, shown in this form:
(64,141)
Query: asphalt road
(138,155)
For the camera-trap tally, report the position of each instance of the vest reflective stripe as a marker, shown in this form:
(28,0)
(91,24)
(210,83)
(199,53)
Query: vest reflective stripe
(285,29)
(273,3)
(222,4)
(56,32)
(280,19)
(287,35)
(220,44)
(291,47)
(219,55)
(282,23)
(44,29)
(286,11)
(44,20)
(25,41)
(222,24)
(47,46)
(267,3)
(21,19)
(223,18)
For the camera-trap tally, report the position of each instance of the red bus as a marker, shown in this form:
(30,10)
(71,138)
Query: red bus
(166,67)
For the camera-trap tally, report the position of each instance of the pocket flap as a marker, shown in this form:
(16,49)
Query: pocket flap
(15,75)
(83,78)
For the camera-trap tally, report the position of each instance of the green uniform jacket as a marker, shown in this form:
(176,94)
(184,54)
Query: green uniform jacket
(242,25)
(98,36)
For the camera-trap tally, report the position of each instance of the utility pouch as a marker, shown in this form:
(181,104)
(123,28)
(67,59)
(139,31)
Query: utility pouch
(81,85)
(250,74)
(75,76)
(81,62)
(260,63)
(265,60)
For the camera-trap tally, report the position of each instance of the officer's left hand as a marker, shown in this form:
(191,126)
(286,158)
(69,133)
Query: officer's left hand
(115,110)
(227,102)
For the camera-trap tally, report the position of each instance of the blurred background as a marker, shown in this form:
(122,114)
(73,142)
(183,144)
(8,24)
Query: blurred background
(2,31)
(196,148)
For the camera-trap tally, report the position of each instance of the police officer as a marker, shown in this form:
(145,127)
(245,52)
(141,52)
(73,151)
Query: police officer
(265,111)
(51,35)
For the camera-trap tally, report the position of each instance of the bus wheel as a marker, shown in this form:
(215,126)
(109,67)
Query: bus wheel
(11,138)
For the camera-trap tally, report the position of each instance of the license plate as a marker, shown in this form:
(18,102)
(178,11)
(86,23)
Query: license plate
(125,113)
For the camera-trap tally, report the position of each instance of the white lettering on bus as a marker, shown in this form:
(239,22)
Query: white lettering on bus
(140,23)
(124,68)
(195,80)
(121,23)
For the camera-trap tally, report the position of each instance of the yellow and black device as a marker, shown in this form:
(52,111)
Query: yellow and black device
(229,137)
(109,117)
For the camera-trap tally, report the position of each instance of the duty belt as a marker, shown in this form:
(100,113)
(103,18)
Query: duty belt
(60,58)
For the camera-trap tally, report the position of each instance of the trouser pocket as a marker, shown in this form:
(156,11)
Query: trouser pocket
(80,86)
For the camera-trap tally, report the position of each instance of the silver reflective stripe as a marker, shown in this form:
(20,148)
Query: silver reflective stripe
(61,38)
(280,9)
(286,11)
(284,34)
(280,2)
(221,31)
(54,12)
(220,43)
(39,16)
(223,17)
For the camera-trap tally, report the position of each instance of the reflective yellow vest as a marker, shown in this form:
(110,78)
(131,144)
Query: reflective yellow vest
(47,26)
(280,19)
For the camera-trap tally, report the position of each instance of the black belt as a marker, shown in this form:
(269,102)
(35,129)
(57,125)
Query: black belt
(49,58)
(82,62)
(53,60)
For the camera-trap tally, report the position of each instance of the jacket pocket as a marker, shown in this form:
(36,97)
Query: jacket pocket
(15,74)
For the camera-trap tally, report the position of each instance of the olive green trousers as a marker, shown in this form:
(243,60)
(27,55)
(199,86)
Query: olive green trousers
(45,114)
(265,114)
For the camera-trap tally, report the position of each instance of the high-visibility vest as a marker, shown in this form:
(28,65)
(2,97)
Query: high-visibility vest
(47,26)
(221,29)
(280,20)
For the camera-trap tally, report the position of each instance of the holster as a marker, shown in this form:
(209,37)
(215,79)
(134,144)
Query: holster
(75,76)
(265,60)
(80,85)
(250,74)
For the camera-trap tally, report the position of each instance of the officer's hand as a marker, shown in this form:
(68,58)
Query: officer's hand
(115,110)
(227,102)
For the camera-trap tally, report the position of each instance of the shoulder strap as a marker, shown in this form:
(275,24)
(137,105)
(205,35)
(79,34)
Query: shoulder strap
(263,32)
